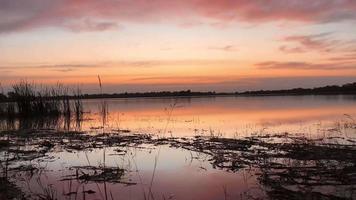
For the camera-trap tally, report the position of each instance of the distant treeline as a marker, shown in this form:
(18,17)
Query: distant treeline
(349,88)
(184,93)
(327,90)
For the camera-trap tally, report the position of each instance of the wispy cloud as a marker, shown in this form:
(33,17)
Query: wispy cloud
(88,25)
(68,67)
(64,70)
(228,48)
(287,49)
(346,57)
(93,15)
(307,65)
(55,67)
(306,43)
(324,43)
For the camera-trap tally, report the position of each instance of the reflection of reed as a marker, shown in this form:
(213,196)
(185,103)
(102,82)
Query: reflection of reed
(103,107)
(78,108)
(65,122)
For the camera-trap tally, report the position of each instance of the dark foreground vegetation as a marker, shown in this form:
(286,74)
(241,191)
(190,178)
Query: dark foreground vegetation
(28,100)
(286,166)
(299,169)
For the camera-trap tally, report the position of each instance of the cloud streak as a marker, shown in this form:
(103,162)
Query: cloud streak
(306,65)
(305,43)
(347,57)
(93,15)
(228,48)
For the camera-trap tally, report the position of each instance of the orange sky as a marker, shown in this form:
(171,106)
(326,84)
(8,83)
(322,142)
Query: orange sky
(171,45)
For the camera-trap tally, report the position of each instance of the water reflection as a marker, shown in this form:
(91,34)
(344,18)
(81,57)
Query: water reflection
(73,165)
(182,178)
(62,123)
(224,116)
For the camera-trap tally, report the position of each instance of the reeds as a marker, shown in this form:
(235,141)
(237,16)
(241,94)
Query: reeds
(30,100)
(77,104)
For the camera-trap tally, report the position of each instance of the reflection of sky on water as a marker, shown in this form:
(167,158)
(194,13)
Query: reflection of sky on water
(229,116)
(177,174)
(225,116)
(181,174)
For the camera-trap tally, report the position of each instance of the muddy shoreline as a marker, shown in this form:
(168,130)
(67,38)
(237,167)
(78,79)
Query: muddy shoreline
(289,167)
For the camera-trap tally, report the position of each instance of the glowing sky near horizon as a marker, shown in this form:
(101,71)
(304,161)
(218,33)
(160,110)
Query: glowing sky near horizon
(153,45)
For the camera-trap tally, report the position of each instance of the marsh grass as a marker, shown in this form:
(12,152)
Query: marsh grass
(28,100)
(302,162)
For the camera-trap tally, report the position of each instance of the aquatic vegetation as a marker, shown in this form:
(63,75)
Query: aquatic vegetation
(288,167)
(96,174)
(28,100)
(305,165)
(9,190)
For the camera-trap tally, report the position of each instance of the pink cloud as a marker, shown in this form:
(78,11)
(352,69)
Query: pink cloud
(16,15)
(306,65)
(305,43)
(287,49)
(347,57)
(321,43)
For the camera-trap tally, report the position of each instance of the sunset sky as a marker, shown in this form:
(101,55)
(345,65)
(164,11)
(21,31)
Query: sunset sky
(153,45)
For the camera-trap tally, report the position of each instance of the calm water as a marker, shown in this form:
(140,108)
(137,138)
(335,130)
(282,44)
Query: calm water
(178,173)
(223,116)
(219,116)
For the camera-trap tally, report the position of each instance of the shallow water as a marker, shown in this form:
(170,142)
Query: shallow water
(219,116)
(226,116)
(163,172)
(178,174)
